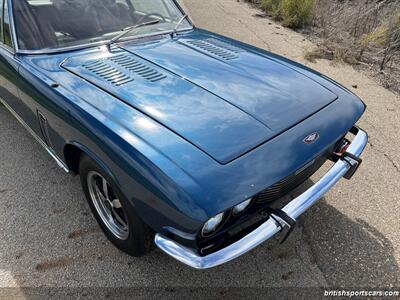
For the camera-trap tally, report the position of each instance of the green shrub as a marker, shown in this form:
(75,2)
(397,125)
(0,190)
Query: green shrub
(385,33)
(297,13)
(270,5)
(387,36)
(293,13)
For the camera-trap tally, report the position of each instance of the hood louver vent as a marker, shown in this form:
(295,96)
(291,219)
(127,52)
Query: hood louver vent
(116,69)
(131,64)
(108,72)
(225,45)
(216,47)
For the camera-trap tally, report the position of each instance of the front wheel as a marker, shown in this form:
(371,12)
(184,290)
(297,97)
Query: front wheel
(115,215)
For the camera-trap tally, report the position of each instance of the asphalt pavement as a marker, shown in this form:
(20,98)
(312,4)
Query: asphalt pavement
(351,238)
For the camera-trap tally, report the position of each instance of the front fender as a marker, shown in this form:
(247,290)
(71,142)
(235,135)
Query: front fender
(151,182)
(135,151)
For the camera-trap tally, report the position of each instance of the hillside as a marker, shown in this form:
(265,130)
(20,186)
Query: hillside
(363,33)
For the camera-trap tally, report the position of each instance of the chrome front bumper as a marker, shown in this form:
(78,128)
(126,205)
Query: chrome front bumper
(274,225)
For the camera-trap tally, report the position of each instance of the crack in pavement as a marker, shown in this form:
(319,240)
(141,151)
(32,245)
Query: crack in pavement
(256,34)
(391,160)
(304,239)
(245,25)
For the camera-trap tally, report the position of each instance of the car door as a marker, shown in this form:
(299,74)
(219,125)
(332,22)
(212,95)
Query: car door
(10,79)
(8,64)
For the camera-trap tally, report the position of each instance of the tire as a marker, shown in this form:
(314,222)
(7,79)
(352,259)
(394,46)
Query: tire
(126,230)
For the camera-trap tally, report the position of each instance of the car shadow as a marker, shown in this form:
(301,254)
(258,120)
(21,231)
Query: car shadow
(49,238)
(349,251)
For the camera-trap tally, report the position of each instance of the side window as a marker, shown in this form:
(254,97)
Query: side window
(6,26)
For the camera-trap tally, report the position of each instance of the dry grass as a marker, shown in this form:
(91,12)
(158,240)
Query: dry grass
(363,33)
(292,13)
(318,53)
(332,53)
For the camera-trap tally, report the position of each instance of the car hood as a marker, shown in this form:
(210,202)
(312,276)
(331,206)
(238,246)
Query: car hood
(219,96)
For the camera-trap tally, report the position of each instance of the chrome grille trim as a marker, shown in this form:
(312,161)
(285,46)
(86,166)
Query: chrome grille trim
(285,186)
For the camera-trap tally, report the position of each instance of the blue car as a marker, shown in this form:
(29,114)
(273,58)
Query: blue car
(182,138)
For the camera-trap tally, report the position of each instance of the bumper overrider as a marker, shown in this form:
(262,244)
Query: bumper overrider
(280,221)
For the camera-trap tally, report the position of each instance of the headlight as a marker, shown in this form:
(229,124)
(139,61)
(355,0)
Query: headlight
(241,207)
(212,225)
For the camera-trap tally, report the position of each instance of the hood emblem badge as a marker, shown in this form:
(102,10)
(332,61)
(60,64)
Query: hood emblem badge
(311,138)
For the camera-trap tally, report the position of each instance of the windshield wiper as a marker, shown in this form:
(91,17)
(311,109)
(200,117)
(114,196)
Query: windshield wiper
(175,31)
(129,29)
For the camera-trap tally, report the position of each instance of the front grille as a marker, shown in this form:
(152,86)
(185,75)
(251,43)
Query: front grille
(288,184)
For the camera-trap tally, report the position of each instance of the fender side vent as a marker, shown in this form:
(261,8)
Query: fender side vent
(216,47)
(44,128)
(108,72)
(131,64)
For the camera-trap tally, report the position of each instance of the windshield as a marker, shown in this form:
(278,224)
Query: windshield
(53,24)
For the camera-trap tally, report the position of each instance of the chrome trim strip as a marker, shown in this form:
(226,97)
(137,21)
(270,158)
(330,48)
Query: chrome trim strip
(59,162)
(267,230)
(12,26)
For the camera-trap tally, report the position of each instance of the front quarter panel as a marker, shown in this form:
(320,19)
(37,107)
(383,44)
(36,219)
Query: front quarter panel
(113,134)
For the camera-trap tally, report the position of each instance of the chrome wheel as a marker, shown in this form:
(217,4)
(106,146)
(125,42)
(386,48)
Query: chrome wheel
(107,205)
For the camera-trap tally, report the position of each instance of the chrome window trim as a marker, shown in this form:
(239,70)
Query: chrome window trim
(50,151)
(11,18)
(12,27)
(7,48)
